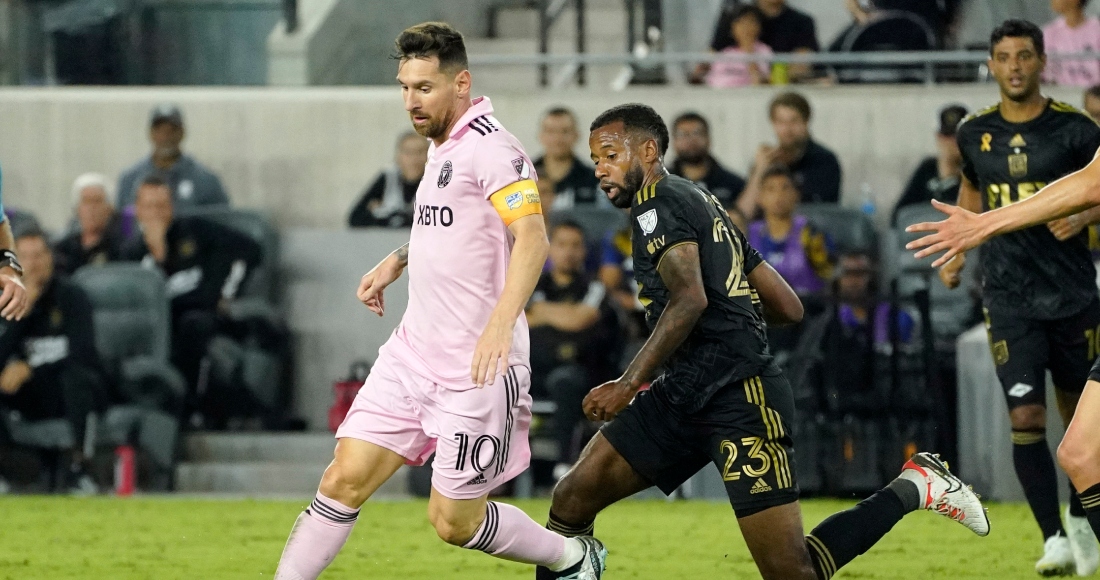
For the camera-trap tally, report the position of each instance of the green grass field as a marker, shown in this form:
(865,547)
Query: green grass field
(159,538)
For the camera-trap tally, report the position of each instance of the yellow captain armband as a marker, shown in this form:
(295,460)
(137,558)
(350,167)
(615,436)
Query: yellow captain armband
(517,200)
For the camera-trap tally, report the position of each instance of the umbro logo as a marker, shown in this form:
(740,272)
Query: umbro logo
(759,487)
(480,480)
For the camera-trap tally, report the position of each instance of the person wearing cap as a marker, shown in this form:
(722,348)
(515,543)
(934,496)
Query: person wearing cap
(98,237)
(937,177)
(13,295)
(192,183)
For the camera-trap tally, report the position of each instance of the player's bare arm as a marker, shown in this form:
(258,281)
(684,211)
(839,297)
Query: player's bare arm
(13,299)
(963,230)
(380,276)
(680,271)
(524,267)
(781,305)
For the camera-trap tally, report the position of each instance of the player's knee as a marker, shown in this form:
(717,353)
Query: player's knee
(455,532)
(1028,418)
(786,569)
(347,486)
(1078,458)
(568,500)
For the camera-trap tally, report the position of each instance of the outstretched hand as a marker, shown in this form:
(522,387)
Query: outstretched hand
(958,233)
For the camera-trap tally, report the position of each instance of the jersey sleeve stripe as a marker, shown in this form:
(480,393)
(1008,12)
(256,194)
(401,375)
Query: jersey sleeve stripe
(668,249)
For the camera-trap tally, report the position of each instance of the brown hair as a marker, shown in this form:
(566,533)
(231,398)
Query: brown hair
(437,39)
(792,100)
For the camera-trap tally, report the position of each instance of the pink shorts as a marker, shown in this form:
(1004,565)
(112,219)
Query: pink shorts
(479,436)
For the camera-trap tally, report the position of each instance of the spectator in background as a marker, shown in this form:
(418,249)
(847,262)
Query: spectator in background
(190,182)
(815,169)
(745,29)
(205,264)
(691,143)
(13,296)
(564,178)
(389,200)
(1092,102)
(835,358)
(937,177)
(573,336)
(1073,32)
(98,238)
(783,30)
(617,270)
(789,242)
(52,369)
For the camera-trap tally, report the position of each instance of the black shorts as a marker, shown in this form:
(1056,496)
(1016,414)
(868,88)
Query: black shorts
(743,430)
(1023,349)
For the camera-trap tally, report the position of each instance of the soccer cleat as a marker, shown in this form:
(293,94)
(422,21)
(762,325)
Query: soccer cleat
(592,564)
(944,493)
(1083,544)
(1057,557)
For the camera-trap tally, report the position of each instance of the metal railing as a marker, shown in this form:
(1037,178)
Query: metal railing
(928,59)
(549,12)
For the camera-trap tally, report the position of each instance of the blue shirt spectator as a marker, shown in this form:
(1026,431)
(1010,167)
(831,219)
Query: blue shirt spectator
(191,183)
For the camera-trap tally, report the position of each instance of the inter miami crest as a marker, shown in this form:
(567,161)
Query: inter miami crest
(521,167)
(445,175)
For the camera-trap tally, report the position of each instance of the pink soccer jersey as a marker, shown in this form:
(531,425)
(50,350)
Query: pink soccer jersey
(460,247)
(1060,38)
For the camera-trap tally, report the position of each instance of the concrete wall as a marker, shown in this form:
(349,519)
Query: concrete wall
(304,155)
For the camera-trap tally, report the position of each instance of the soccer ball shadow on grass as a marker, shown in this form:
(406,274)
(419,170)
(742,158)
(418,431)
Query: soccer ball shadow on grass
(159,538)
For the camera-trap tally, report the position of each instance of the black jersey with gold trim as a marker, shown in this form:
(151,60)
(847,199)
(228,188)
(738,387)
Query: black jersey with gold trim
(1030,273)
(728,342)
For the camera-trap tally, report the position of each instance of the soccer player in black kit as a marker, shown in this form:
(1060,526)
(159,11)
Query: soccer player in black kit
(1039,283)
(721,399)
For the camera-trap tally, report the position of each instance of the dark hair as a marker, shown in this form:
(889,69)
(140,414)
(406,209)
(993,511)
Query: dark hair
(1094,91)
(691,117)
(437,39)
(566,223)
(33,231)
(747,10)
(559,111)
(154,181)
(1017,29)
(639,118)
(778,170)
(791,100)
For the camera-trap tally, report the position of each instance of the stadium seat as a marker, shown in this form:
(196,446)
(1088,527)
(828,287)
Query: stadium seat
(849,229)
(236,361)
(888,31)
(132,334)
(952,310)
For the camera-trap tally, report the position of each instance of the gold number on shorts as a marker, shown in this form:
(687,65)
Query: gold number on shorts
(756,451)
(1092,336)
(728,474)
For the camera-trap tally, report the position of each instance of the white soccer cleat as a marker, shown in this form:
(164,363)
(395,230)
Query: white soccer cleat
(592,564)
(944,493)
(1083,544)
(1057,557)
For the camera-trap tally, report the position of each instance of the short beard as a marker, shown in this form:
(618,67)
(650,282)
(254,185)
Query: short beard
(1024,96)
(632,182)
(434,128)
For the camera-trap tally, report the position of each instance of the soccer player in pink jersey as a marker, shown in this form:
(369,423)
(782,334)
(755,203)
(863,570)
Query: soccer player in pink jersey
(1073,32)
(454,377)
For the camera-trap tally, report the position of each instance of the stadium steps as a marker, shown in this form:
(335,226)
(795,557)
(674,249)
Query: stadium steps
(263,464)
(517,33)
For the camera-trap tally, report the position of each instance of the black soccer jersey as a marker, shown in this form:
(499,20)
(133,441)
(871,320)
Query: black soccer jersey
(728,342)
(1029,273)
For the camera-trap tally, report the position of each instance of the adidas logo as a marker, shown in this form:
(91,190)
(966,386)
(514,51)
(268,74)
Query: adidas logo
(760,487)
(480,480)
(1017,141)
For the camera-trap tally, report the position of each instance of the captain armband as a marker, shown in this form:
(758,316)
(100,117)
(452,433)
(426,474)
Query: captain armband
(517,200)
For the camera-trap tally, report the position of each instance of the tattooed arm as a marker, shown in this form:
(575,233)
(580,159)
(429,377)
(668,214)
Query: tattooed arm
(382,275)
(680,271)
